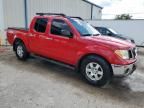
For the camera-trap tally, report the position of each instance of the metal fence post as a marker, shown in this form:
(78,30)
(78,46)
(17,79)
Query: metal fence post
(26,13)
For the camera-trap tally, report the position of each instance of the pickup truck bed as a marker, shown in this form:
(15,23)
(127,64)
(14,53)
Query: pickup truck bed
(13,31)
(19,28)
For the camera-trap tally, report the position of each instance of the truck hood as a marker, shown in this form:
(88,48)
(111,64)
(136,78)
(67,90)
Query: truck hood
(123,37)
(110,42)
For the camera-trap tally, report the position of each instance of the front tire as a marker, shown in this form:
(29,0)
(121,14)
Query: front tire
(96,70)
(21,51)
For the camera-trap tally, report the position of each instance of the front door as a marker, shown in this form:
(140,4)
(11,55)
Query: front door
(64,44)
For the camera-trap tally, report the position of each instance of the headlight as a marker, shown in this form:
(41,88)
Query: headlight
(122,53)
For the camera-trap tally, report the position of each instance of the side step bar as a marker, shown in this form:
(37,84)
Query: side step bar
(54,62)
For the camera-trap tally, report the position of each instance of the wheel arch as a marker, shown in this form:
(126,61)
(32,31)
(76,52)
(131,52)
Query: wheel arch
(15,42)
(92,54)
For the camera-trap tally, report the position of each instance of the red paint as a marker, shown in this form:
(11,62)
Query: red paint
(69,50)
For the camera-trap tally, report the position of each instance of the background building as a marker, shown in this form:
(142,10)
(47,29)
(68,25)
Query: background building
(20,12)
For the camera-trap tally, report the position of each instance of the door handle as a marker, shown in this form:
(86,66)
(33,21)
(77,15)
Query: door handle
(32,35)
(49,38)
(44,37)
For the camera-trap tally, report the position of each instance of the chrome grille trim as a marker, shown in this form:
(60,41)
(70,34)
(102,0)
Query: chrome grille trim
(132,53)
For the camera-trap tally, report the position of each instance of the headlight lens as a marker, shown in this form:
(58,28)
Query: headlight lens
(122,53)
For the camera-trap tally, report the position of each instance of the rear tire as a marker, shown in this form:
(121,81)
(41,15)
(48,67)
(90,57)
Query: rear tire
(96,70)
(21,51)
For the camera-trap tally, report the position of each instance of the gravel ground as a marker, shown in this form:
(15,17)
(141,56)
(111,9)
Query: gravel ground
(40,84)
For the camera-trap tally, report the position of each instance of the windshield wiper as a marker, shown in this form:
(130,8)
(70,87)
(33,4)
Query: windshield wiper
(86,34)
(90,34)
(96,34)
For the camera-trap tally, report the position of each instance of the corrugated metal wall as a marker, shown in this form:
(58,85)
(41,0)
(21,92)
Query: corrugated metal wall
(13,13)
(14,10)
(1,16)
(2,33)
(97,13)
(69,7)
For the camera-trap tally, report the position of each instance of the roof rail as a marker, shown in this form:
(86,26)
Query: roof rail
(76,17)
(60,14)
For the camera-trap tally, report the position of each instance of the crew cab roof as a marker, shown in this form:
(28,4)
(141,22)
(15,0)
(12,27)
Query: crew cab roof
(55,15)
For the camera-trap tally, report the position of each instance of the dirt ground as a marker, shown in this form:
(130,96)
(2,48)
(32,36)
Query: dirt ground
(37,83)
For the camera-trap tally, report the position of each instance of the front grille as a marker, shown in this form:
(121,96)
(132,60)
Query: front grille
(132,53)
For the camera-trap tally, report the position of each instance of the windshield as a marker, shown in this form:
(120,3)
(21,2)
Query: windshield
(113,31)
(84,28)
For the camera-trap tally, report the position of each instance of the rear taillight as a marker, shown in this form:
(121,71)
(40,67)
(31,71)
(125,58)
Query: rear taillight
(10,31)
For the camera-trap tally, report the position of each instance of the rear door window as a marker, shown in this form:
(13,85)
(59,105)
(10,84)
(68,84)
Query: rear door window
(40,25)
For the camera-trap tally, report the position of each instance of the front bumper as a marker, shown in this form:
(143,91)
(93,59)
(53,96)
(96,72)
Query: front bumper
(123,70)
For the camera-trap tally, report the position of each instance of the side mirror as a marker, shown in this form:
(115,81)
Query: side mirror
(109,34)
(67,33)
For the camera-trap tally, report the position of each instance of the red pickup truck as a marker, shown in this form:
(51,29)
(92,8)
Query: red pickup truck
(72,41)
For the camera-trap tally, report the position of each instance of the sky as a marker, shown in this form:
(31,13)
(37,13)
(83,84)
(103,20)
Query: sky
(114,7)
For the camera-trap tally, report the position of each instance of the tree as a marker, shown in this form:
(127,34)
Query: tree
(123,17)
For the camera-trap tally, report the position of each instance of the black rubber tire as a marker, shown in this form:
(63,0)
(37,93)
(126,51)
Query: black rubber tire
(106,70)
(25,52)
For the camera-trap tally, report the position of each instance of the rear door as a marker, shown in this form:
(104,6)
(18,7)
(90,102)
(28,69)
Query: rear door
(37,34)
